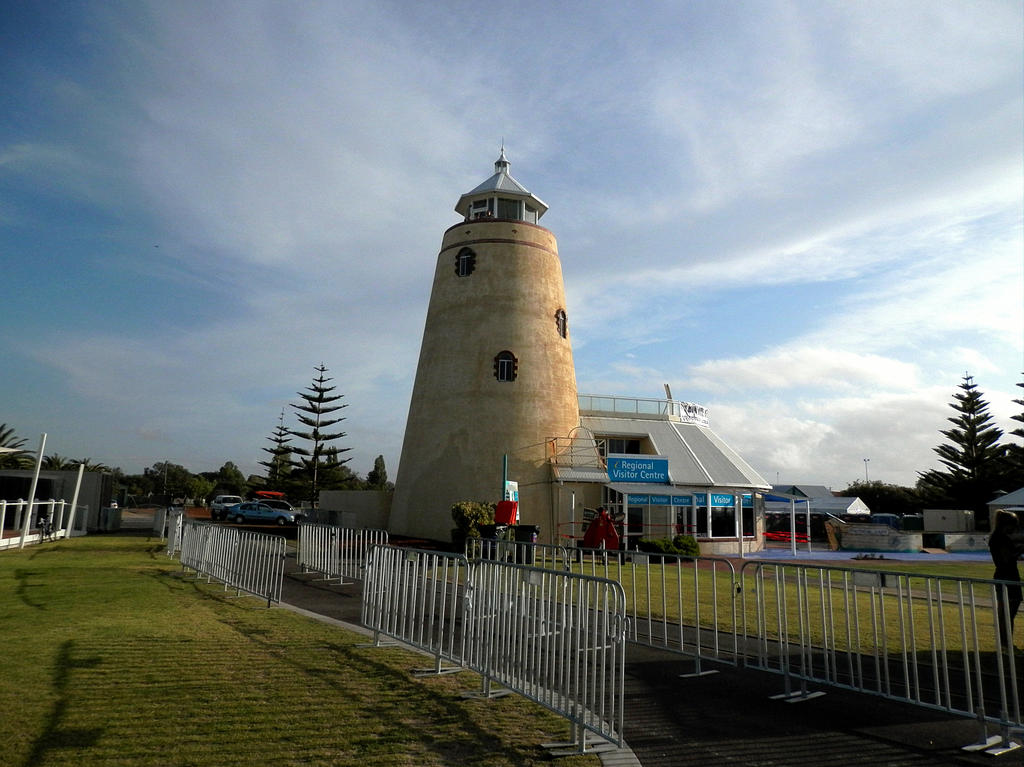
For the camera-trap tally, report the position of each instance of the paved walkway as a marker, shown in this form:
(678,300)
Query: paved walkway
(730,717)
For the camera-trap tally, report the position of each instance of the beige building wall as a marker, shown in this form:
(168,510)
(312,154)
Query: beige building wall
(354,508)
(462,420)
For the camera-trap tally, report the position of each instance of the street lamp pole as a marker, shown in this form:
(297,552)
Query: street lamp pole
(866,470)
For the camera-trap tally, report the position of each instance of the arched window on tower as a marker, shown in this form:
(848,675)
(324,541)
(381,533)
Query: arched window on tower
(506,366)
(561,323)
(465,262)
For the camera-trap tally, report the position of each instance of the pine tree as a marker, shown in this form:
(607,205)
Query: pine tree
(280,464)
(974,459)
(1015,450)
(312,413)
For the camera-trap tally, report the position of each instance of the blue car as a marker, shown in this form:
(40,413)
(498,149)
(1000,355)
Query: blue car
(260,513)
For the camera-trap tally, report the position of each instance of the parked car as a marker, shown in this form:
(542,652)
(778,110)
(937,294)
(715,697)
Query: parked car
(220,505)
(260,512)
(277,503)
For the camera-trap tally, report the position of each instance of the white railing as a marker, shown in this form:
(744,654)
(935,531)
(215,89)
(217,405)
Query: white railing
(35,522)
(685,412)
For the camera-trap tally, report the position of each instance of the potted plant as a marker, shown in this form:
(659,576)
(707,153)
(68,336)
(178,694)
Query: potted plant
(468,517)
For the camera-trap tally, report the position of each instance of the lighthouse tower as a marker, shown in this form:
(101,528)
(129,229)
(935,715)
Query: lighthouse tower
(495,384)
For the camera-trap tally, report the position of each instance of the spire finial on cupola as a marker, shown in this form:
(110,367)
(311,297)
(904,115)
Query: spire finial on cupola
(501,164)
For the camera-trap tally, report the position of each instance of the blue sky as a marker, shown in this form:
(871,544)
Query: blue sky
(805,215)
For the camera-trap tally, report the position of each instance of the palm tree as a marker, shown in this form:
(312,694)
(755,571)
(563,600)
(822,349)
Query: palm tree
(90,466)
(12,455)
(56,462)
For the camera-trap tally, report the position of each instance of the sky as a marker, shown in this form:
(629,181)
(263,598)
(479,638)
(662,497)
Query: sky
(806,216)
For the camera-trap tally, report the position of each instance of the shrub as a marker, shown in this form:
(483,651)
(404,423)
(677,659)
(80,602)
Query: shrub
(469,515)
(682,545)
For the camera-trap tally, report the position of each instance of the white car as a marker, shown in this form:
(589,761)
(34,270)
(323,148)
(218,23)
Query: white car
(220,505)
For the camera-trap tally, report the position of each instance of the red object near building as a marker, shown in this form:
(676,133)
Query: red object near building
(601,530)
(506,513)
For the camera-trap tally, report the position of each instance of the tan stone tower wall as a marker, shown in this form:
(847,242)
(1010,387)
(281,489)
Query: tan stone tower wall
(462,420)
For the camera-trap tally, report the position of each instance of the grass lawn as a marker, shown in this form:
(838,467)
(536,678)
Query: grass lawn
(115,657)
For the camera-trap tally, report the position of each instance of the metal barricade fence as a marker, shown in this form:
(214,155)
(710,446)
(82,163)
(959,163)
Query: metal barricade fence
(555,637)
(245,561)
(688,605)
(220,557)
(194,536)
(684,604)
(173,529)
(415,596)
(319,549)
(355,549)
(259,565)
(543,555)
(927,640)
(336,552)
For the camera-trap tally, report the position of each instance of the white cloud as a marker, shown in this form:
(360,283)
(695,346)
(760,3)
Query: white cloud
(825,440)
(297,166)
(799,368)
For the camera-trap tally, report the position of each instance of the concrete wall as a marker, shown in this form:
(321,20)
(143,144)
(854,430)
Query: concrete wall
(354,508)
(868,537)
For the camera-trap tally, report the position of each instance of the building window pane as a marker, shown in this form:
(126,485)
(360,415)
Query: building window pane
(723,522)
(506,366)
(465,262)
(481,208)
(508,208)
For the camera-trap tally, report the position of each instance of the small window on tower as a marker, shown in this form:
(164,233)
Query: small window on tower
(465,262)
(506,366)
(561,323)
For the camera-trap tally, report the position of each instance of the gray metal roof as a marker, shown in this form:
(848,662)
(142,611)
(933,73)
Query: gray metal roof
(580,474)
(500,183)
(697,456)
(804,491)
(1010,499)
(645,488)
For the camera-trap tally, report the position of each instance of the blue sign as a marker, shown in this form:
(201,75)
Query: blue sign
(719,500)
(657,500)
(638,468)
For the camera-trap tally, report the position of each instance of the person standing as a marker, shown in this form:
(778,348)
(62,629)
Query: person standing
(1005,546)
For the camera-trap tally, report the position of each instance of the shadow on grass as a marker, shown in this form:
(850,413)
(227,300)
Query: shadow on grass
(431,706)
(55,735)
(25,588)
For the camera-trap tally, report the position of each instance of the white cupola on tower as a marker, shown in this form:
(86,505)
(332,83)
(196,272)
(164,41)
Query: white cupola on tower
(501,197)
